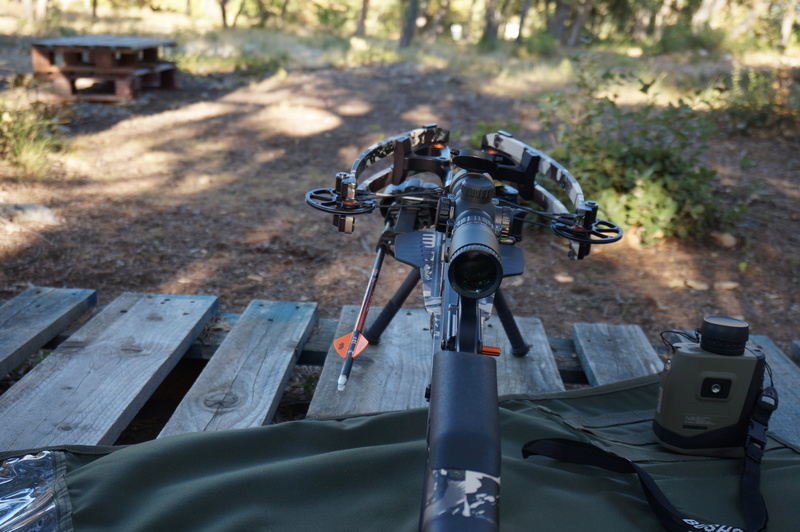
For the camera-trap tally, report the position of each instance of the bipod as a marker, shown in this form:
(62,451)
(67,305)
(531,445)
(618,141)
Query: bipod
(518,346)
(373,333)
(375,330)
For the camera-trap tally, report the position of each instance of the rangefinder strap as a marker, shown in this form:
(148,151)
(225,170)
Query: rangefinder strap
(755,510)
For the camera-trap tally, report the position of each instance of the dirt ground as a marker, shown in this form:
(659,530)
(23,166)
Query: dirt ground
(201,191)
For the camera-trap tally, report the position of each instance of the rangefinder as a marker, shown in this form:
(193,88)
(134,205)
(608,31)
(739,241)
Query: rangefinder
(708,391)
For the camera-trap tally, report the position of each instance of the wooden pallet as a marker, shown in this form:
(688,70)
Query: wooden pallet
(99,375)
(117,67)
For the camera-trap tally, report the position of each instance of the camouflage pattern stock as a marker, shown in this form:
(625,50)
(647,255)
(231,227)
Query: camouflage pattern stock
(462,478)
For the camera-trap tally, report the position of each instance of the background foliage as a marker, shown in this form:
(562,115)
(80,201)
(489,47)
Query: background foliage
(642,163)
(640,158)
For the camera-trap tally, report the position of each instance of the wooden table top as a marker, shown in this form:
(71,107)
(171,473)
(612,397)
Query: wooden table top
(105,41)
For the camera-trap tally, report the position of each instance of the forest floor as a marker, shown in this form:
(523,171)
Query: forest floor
(201,191)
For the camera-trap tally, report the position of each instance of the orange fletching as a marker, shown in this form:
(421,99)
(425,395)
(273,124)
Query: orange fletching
(343,344)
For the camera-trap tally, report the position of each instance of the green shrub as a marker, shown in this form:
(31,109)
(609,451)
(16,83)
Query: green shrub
(683,38)
(642,164)
(363,52)
(226,58)
(754,98)
(28,134)
(333,16)
(541,43)
(483,127)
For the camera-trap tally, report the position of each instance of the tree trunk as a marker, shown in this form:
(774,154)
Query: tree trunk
(523,14)
(787,23)
(708,12)
(361,26)
(473,7)
(491,24)
(222,7)
(27,9)
(639,25)
(580,21)
(662,18)
(239,12)
(757,9)
(41,11)
(439,18)
(410,24)
(555,26)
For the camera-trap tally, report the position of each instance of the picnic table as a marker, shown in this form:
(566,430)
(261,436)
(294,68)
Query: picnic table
(100,374)
(124,64)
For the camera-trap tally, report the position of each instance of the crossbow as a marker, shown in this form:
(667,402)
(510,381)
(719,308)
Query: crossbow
(454,216)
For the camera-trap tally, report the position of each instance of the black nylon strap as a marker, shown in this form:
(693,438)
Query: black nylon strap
(577,452)
(755,510)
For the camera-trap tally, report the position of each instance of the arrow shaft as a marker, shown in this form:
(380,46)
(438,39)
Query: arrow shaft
(362,317)
(373,279)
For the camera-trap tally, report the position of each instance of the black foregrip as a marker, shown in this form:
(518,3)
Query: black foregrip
(462,485)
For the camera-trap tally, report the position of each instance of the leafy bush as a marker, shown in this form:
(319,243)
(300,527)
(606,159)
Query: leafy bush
(641,164)
(752,98)
(483,127)
(226,57)
(541,43)
(333,16)
(28,134)
(683,38)
(363,52)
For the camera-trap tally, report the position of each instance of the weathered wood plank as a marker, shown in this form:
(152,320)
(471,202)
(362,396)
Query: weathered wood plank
(394,374)
(534,373)
(611,353)
(242,384)
(316,349)
(89,388)
(796,351)
(389,376)
(784,421)
(35,317)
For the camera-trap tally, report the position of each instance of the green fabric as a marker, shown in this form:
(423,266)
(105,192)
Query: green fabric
(366,474)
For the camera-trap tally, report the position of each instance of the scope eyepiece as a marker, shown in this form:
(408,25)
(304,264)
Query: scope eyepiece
(475,272)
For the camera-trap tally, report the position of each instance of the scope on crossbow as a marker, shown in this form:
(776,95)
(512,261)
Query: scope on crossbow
(475,268)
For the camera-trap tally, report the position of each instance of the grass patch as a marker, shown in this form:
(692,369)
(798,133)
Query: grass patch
(28,134)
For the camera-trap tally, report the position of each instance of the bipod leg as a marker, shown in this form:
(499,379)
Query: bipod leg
(518,346)
(375,330)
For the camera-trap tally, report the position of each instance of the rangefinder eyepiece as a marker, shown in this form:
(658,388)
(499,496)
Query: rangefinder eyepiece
(723,335)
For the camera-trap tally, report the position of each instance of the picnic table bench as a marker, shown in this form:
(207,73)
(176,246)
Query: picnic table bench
(126,64)
(100,373)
